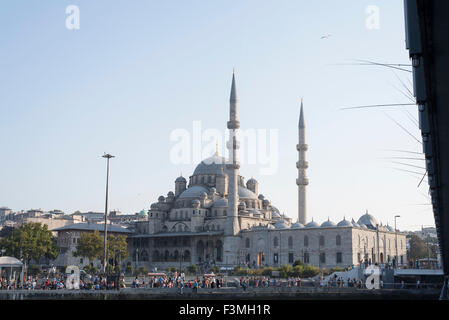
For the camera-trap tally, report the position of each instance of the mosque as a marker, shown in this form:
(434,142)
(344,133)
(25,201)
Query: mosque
(216,218)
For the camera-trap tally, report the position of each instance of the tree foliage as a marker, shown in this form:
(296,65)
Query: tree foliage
(90,245)
(117,248)
(32,241)
(419,249)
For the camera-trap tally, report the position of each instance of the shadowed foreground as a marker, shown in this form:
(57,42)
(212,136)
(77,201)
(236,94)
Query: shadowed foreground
(225,293)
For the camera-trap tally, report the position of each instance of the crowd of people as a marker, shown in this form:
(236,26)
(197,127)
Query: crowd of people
(178,281)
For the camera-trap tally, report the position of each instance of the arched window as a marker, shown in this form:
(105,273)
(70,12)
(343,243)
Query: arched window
(338,240)
(247,243)
(290,242)
(321,240)
(275,241)
(225,212)
(306,241)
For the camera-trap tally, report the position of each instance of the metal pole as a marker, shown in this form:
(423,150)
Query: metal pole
(107,156)
(396,235)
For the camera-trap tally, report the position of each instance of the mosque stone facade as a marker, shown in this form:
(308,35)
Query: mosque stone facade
(216,218)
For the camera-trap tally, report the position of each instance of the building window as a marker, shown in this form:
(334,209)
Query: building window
(247,242)
(306,257)
(338,240)
(321,240)
(359,257)
(306,241)
(290,242)
(340,257)
(275,241)
(81,260)
(275,258)
(322,257)
(290,257)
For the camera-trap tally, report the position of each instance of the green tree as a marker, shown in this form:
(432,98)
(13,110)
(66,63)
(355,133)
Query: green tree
(285,271)
(117,248)
(310,271)
(90,245)
(418,248)
(298,263)
(32,241)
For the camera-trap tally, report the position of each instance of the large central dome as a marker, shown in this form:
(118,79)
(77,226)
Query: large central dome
(212,165)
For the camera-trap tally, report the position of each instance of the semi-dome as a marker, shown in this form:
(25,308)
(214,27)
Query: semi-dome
(211,165)
(221,203)
(328,223)
(143,213)
(246,193)
(193,192)
(297,225)
(344,223)
(368,220)
(312,224)
(391,229)
(276,215)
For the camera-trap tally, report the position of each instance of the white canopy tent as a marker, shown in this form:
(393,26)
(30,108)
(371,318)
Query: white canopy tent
(9,264)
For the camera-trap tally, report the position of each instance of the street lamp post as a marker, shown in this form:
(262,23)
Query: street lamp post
(105,259)
(396,239)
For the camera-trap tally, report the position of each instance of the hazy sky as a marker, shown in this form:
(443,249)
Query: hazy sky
(137,70)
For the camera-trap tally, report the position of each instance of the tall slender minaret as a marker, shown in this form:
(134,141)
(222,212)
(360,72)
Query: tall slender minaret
(232,224)
(302,165)
(231,239)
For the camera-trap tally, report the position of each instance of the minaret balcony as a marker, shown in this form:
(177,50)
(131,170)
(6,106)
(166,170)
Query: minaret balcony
(302,147)
(302,164)
(233,124)
(302,181)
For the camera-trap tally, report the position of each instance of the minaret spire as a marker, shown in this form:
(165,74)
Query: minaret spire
(302,165)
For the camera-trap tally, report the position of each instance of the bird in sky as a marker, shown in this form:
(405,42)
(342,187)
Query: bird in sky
(326,36)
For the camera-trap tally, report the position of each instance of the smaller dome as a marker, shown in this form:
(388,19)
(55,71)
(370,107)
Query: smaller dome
(368,220)
(312,224)
(143,213)
(363,226)
(161,199)
(391,229)
(281,225)
(270,226)
(170,194)
(242,205)
(344,223)
(154,205)
(203,195)
(297,225)
(213,190)
(181,179)
(196,203)
(328,223)
(261,197)
(252,180)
